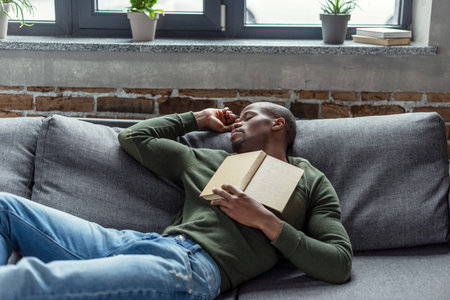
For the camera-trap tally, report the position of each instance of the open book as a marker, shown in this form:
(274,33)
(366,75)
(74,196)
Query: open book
(266,179)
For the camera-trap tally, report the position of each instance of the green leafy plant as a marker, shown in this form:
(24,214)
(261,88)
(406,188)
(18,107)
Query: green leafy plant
(18,7)
(144,6)
(339,7)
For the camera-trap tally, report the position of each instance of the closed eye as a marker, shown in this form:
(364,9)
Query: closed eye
(247,116)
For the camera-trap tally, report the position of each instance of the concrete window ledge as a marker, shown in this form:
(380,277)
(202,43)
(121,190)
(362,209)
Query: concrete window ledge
(238,46)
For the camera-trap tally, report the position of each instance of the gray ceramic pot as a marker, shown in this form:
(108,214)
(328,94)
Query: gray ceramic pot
(334,28)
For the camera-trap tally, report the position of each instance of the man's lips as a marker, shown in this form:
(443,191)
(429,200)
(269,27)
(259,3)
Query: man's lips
(236,131)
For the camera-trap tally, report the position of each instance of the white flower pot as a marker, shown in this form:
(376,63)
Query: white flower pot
(4,22)
(143,28)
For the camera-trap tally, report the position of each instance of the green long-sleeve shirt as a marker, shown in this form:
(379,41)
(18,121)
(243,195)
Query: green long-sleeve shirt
(312,236)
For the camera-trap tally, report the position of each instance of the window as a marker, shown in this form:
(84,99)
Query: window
(44,11)
(202,18)
(50,17)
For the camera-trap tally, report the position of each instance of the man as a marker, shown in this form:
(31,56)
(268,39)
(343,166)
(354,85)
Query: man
(209,247)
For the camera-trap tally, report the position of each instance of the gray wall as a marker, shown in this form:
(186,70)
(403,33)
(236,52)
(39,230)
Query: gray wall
(258,71)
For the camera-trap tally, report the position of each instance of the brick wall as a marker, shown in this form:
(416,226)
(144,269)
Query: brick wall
(133,103)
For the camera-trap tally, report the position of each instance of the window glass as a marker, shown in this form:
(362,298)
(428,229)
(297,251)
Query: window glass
(172,6)
(44,10)
(306,12)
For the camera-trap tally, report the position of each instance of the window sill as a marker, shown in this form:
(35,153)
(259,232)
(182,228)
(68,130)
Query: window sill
(237,46)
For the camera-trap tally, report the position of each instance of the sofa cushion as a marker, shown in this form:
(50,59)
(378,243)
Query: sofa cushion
(412,273)
(390,173)
(81,169)
(18,137)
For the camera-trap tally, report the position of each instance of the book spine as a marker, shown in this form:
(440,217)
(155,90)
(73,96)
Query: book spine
(252,170)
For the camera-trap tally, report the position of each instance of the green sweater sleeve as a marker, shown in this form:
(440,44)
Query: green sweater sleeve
(323,251)
(152,143)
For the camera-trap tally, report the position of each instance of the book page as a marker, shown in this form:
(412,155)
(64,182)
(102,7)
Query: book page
(274,183)
(236,169)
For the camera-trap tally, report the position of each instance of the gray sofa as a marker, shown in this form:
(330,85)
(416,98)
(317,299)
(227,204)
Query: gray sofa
(390,172)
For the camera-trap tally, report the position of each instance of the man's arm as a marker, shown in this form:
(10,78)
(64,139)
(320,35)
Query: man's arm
(323,249)
(152,142)
(325,253)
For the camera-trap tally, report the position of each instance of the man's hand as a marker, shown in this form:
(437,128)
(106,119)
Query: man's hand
(247,211)
(220,120)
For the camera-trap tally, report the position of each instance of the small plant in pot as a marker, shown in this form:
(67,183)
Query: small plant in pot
(143,19)
(17,7)
(335,17)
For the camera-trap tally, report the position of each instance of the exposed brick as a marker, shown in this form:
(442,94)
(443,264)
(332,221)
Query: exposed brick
(438,97)
(79,104)
(13,101)
(169,105)
(331,110)
(346,96)
(319,95)
(99,117)
(129,105)
(130,118)
(236,106)
(366,96)
(264,93)
(443,111)
(153,92)
(42,89)
(87,89)
(208,93)
(305,110)
(371,110)
(404,96)
(277,102)
(447,129)
(11,88)
(9,114)
(35,115)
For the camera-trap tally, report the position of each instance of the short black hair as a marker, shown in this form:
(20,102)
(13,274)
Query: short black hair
(278,111)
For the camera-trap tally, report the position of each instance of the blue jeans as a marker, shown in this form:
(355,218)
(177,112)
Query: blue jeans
(66,257)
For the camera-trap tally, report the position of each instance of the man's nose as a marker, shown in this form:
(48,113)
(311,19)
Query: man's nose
(236,124)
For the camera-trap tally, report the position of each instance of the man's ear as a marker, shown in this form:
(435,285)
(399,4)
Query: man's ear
(278,124)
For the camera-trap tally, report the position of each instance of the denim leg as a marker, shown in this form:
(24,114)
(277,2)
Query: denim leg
(172,271)
(48,234)
(5,250)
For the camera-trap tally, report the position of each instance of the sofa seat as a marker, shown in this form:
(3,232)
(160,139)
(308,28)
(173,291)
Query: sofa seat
(408,273)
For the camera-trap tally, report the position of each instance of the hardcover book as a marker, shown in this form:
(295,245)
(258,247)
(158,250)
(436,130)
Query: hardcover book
(268,180)
(380,41)
(384,32)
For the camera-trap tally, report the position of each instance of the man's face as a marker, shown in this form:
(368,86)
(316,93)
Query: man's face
(252,130)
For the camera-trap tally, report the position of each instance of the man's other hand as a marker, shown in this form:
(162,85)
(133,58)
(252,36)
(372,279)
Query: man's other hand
(220,120)
(243,209)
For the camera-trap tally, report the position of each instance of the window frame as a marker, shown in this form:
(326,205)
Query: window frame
(79,18)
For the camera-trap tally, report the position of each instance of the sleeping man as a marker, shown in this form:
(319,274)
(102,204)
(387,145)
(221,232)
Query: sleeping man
(210,247)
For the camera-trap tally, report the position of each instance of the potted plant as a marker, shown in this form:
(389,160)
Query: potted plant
(335,17)
(18,7)
(143,19)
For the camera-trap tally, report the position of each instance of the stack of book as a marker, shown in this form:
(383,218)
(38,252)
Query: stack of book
(382,36)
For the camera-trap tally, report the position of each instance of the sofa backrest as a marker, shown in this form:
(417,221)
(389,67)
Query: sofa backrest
(18,137)
(81,169)
(390,172)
